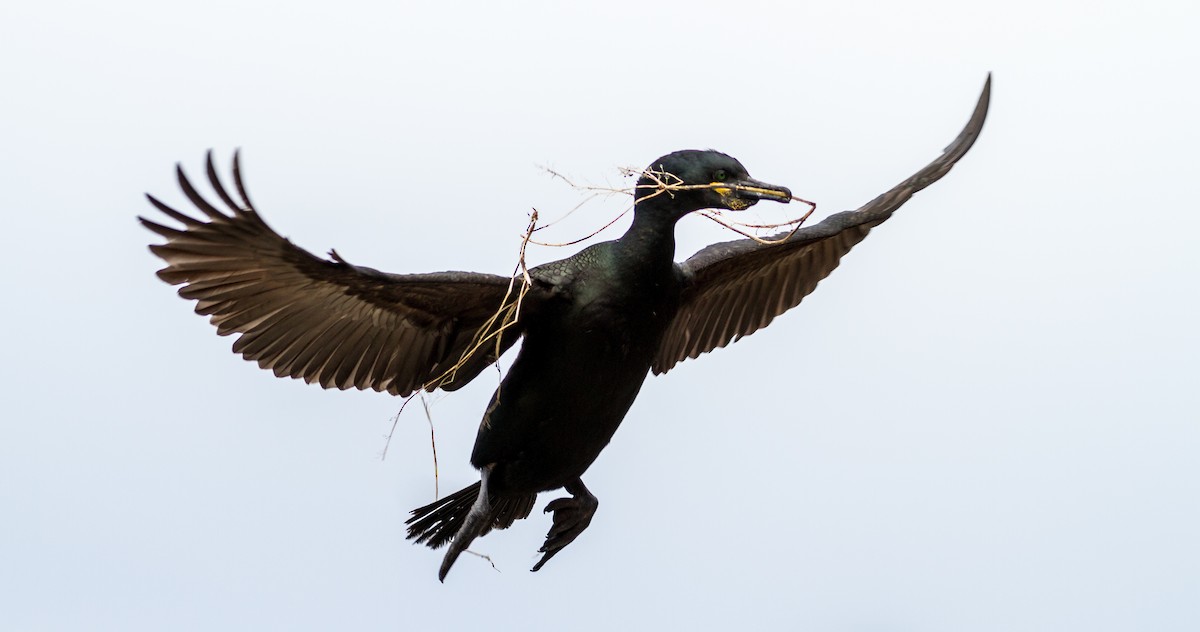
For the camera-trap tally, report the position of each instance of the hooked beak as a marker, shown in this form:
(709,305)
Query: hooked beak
(744,193)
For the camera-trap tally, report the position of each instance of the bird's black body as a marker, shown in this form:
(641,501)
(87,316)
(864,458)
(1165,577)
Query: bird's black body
(588,349)
(583,360)
(593,325)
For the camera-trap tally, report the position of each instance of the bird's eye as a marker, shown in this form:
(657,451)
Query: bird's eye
(719,175)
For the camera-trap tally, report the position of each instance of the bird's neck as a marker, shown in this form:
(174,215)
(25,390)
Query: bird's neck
(649,242)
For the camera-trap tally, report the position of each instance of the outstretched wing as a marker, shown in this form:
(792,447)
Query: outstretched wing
(327,321)
(735,288)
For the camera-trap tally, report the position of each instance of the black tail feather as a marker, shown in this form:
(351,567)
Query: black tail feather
(436,523)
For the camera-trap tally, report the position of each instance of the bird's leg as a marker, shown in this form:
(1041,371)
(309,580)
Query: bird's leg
(475,523)
(571,516)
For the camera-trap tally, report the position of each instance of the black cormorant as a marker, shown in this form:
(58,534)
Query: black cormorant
(594,325)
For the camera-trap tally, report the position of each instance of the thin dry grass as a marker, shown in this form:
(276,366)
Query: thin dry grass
(508,313)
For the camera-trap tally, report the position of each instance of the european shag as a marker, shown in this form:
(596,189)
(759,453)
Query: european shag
(594,325)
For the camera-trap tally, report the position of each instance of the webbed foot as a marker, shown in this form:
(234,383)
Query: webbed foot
(571,517)
(475,524)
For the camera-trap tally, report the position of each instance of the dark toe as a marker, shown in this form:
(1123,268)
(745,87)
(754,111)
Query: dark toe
(545,558)
(559,504)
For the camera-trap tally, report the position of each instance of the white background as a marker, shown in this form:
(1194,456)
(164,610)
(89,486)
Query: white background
(986,419)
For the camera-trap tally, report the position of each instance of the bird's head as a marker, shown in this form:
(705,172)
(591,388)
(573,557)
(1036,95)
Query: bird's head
(690,180)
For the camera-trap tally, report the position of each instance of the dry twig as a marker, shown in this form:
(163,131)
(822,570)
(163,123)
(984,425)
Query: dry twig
(486,557)
(664,183)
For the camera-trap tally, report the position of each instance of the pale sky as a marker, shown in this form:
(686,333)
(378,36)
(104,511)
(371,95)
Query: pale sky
(987,419)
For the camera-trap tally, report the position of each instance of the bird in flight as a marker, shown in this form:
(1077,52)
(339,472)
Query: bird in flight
(593,325)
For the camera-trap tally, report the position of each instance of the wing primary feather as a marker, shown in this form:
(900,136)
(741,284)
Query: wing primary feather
(237,180)
(215,181)
(274,332)
(186,220)
(308,363)
(195,197)
(223,287)
(165,231)
(243,321)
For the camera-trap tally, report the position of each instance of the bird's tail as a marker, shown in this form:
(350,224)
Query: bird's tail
(435,523)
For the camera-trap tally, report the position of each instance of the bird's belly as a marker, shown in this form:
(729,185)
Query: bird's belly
(558,407)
